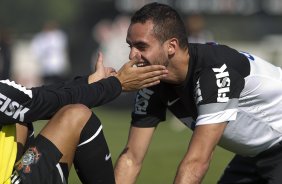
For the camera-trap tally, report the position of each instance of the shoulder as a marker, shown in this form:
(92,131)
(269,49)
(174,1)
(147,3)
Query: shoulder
(14,90)
(215,55)
(217,83)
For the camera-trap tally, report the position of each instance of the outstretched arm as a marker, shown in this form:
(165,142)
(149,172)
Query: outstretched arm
(130,77)
(129,164)
(195,163)
(102,88)
(29,105)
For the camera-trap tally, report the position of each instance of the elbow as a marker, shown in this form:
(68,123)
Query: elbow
(131,160)
(195,169)
(203,168)
(127,168)
(200,166)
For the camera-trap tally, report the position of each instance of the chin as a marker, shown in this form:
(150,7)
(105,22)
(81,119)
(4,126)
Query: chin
(167,80)
(170,80)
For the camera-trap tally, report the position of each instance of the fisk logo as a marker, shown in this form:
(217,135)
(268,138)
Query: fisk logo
(142,101)
(197,92)
(223,83)
(12,108)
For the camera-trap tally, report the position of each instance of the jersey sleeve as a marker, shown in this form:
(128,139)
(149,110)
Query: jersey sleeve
(18,104)
(216,93)
(79,80)
(148,108)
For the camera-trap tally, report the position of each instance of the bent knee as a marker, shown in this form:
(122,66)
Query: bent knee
(75,110)
(74,114)
(75,106)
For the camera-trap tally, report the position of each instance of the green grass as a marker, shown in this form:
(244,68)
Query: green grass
(166,150)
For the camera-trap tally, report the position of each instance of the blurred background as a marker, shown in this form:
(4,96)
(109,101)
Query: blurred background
(54,40)
(42,42)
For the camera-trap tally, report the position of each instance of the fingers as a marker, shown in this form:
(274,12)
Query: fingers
(110,71)
(152,80)
(99,62)
(134,78)
(135,60)
(150,84)
(137,57)
(100,57)
(131,63)
(151,75)
(150,68)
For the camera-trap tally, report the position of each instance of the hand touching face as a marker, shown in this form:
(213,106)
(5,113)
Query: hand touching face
(144,45)
(101,71)
(134,78)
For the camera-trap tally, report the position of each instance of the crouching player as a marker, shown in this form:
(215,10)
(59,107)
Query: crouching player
(73,133)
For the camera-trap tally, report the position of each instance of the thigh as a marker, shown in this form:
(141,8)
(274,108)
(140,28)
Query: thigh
(40,164)
(270,164)
(276,176)
(241,170)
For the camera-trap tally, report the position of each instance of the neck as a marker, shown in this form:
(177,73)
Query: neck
(178,68)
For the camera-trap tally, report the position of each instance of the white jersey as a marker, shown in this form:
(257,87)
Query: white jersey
(222,85)
(258,124)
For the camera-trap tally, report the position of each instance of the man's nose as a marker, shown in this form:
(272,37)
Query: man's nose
(134,53)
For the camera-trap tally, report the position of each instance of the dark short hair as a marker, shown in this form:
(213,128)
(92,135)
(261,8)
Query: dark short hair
(167,22)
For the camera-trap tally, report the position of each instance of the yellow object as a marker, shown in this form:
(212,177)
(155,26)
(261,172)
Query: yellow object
(8,152)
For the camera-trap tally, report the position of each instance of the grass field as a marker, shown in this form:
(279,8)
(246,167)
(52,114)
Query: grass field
(167,149)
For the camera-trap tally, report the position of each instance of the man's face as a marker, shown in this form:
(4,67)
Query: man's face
(145,46)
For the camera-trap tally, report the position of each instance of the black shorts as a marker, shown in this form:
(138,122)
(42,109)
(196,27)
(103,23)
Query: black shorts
(265,168)
(40,164)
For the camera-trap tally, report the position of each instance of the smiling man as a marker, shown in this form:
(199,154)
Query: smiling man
(228,98)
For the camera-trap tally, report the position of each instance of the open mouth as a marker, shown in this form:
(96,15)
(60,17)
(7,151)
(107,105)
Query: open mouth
(142,64)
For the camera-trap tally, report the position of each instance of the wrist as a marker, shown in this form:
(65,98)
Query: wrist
(118,77)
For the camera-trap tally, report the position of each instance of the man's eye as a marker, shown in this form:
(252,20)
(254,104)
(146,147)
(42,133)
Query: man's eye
(141,47)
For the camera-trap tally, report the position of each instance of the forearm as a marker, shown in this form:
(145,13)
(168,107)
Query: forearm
(78,80)
(126,170)
(191,173)
(27,105)
(199,154)
(100,92)
(46,102)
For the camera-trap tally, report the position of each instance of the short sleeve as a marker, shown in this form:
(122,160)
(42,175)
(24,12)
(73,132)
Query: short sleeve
(148,108)
(216,92)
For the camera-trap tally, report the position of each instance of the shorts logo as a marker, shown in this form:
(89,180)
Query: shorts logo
(15,178)
(170,103)
(142,100)
(108,156)
(223,83)
(31,156)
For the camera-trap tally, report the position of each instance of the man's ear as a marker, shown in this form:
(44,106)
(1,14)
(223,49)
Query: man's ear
(172,46)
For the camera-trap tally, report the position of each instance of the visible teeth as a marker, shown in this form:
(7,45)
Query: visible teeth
(142,64)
